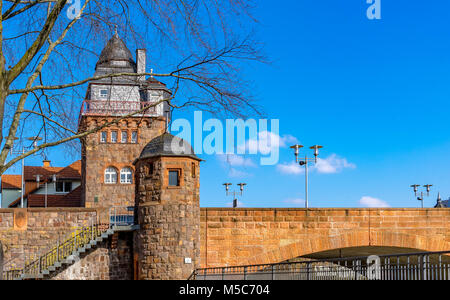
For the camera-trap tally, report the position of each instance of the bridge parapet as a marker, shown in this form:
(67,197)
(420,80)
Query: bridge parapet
(270,235)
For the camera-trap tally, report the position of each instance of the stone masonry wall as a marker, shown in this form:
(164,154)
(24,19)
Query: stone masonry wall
(112,260)
(227,236)
(29,231)
(256,235)
(96,157)
(26,233)
(169,220)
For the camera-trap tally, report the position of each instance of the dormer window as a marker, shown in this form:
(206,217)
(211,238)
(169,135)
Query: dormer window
(63,186)
(103,93)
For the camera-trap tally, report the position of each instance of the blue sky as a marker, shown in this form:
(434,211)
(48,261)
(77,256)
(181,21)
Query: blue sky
(373,92)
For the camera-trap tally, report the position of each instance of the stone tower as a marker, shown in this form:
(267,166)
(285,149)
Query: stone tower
(107,156)
(168,209)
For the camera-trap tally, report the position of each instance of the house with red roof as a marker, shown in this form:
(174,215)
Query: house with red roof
(45,186)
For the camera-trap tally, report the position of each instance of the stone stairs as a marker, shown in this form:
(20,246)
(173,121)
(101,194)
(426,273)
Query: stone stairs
(79,243)
(63,254)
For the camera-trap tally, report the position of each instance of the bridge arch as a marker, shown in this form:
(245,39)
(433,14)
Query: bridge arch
(310,245)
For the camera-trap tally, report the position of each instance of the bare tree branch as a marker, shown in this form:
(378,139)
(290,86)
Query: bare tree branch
(38,43)
(196,45)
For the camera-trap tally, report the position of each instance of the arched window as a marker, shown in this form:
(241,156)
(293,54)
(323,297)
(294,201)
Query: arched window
(110,175)
(125,175)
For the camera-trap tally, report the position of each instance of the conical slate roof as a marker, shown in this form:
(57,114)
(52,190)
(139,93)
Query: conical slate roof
(168,145)
(116,51)
(115,58)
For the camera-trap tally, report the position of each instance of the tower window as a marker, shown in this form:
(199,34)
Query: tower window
(149,169)
(134,137)
(125,175)
(193,170)
(110,175)
(113,136)
(103,136)
(124,137)
(174,177)
(103,93)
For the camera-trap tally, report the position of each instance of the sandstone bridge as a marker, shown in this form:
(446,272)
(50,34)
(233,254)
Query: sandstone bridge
(235,236)
(262,236)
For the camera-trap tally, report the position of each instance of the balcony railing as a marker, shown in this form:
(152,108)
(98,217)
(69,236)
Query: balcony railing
(116,108)
(121,216)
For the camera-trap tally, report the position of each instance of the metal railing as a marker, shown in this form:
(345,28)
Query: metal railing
(121,216)
(62,250)
(410,266)
(117,216)
(116,108)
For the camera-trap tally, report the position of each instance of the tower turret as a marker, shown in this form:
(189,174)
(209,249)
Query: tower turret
(168,209)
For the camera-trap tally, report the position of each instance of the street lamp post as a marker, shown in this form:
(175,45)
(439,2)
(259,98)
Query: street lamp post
(234,193)
(415,188)
(305,163)
(38,180)
(46,179)
(34,139)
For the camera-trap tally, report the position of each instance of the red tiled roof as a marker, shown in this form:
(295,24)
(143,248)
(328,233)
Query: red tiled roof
(30,172)
(11,181)
(72,199)
(72,171)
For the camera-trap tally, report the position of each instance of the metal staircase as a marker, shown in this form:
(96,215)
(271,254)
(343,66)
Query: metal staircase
(66,253)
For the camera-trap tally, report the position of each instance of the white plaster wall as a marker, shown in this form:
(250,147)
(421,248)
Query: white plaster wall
(116,92)
(51,188)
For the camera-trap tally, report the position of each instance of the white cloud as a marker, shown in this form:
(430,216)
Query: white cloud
(367,201)
(329,165)
(266,141)
(297,202)
(332,164)
(290,168)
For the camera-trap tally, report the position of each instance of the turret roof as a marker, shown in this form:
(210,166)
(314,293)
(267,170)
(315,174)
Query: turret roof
(168,145)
